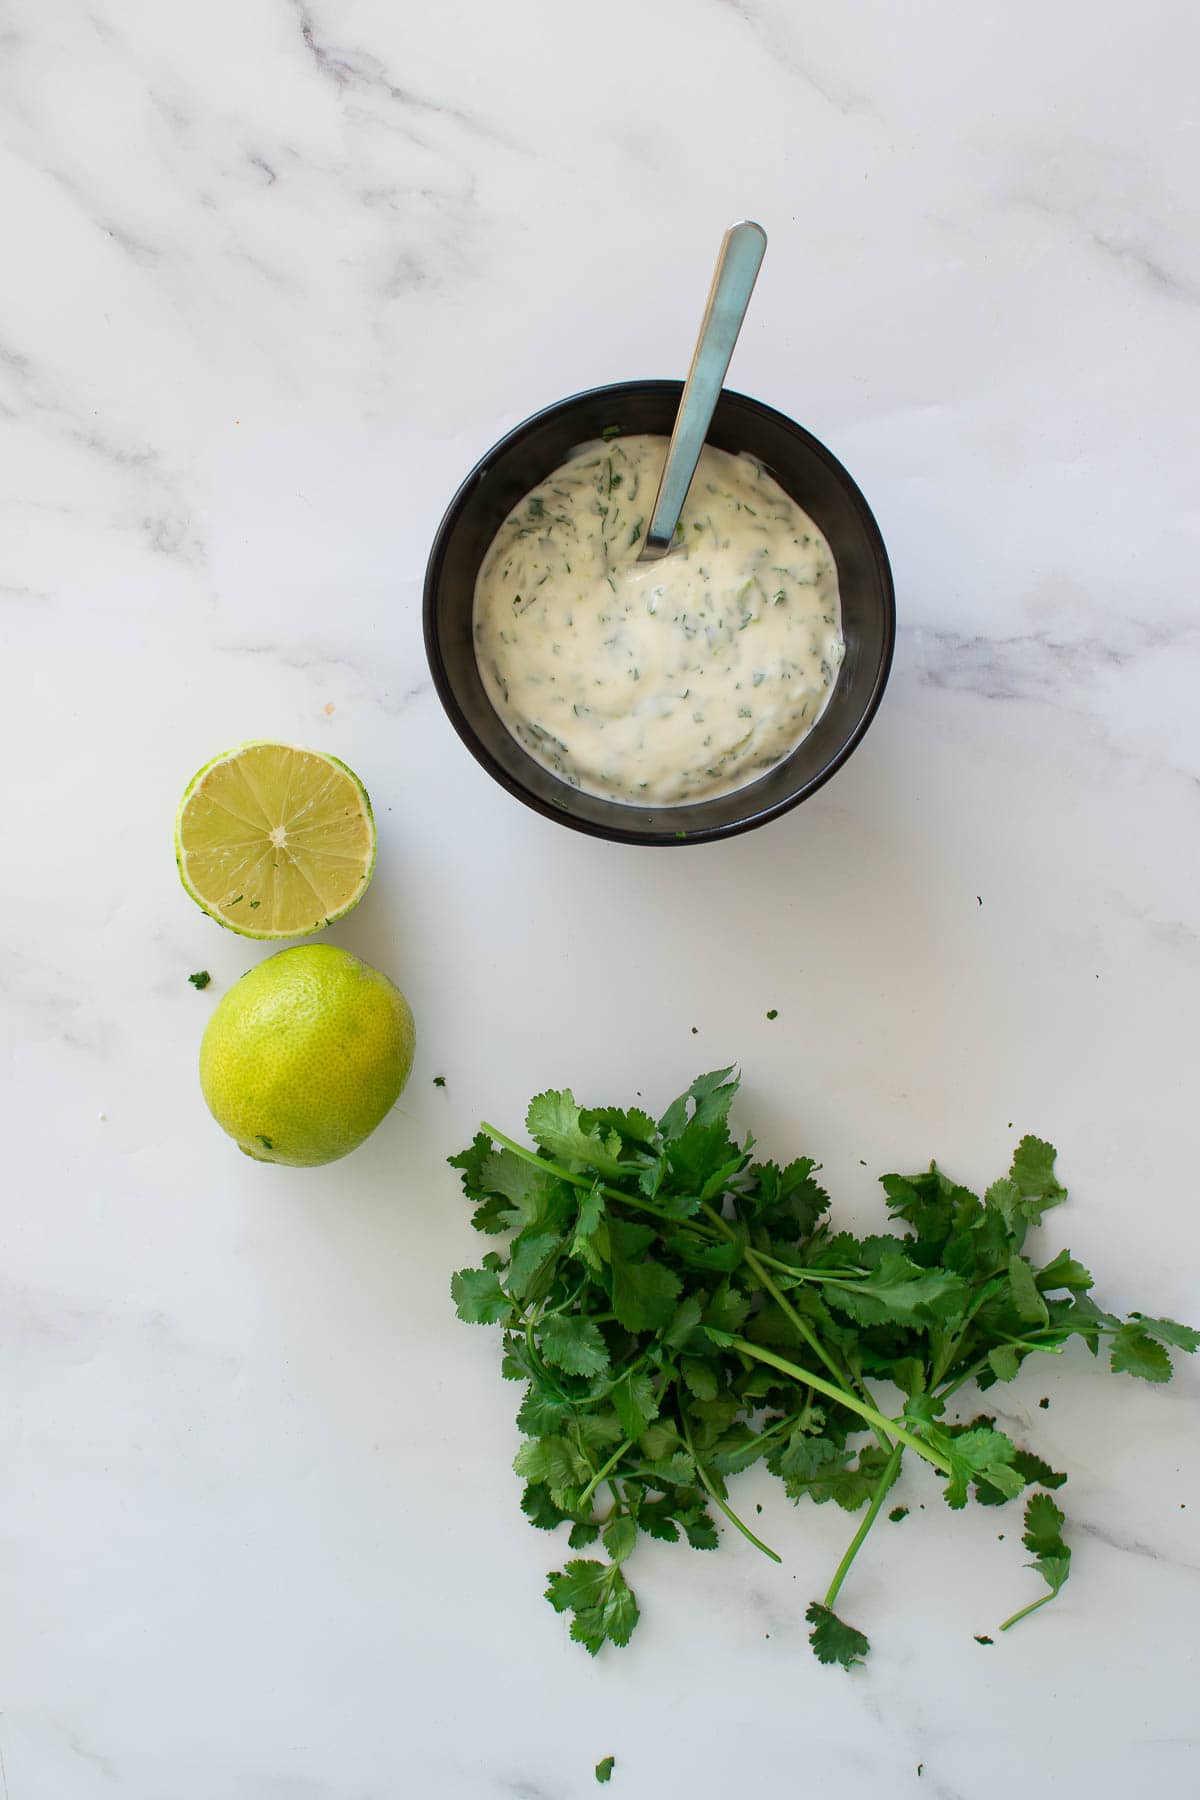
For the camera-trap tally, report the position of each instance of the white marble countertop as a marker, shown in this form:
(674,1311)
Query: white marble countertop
(275,274)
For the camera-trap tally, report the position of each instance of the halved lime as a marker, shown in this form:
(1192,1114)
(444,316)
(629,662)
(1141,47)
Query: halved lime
(275,841)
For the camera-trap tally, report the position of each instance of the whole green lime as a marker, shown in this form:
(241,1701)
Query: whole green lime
(305,1055)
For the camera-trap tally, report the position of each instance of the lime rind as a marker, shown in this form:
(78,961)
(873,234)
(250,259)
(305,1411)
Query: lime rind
(306,1055)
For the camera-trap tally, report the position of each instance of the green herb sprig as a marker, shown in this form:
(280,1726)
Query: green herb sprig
(677,1311)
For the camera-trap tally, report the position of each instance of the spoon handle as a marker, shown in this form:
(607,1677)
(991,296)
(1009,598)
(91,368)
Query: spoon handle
(732,285)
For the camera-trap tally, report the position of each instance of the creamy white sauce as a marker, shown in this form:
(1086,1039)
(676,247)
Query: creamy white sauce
(662,682)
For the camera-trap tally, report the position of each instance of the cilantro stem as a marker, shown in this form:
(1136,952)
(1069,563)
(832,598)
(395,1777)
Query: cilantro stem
(539,1365)
(543,1162)
(892,1427)
(890,1471)
(710,1487)
(838,1277)
(798,1323)
(986,1292)
(602,1474)
(1031,1608)
(770,1431)
(785,1306)
(952,1387)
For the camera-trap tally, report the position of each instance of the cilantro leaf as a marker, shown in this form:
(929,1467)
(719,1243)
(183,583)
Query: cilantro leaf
(572,1343)
(659,1440)
(702,1159)
(518,1181)
(529,1255)
(1033,1172)
(805,1456)
(656,1518)
(1035,1472)
(1052,1555)
(699,1529)
(1085,1319)
(542,1413)
(541,1510)
(635,1403)
(1029,1190)
(598,1429)
(710,1097)
(1043,1526)
(1029,1466)
(1064,1272)
(636,1127)
(824,1472)
(677,1313)
(557,1464)
(788,1198)
(1169,1331)
(1025,1293)
(620,1535)
(684,1323)
(553,1121)
(974,1452)
(472,1161)
(833,1640)
(605,1767)
(930,1203)
(699,1377)
(898,1291)
(1004,1362)
(579,1583)
(677,1470)
(720,1259)
(478,1297)
(601,1600)
(727,1310)
(589,1243)
(1136,1352)
(643,1292)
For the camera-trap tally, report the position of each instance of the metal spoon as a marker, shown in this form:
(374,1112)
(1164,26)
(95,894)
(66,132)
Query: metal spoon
(732,285)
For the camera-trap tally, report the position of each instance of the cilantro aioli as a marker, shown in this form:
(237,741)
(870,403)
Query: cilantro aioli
(663,682)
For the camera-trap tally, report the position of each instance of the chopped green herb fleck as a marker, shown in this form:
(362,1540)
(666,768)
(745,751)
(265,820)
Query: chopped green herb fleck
(897,1513)
(200,979)
(605,1767)
(774,1013)
(439,1081)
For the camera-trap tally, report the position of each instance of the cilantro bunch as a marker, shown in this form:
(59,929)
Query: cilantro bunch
(678,1311)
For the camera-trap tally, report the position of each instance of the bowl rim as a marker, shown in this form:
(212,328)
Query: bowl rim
(563,815)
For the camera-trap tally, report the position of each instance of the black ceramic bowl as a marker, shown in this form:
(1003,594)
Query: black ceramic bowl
(802,467)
